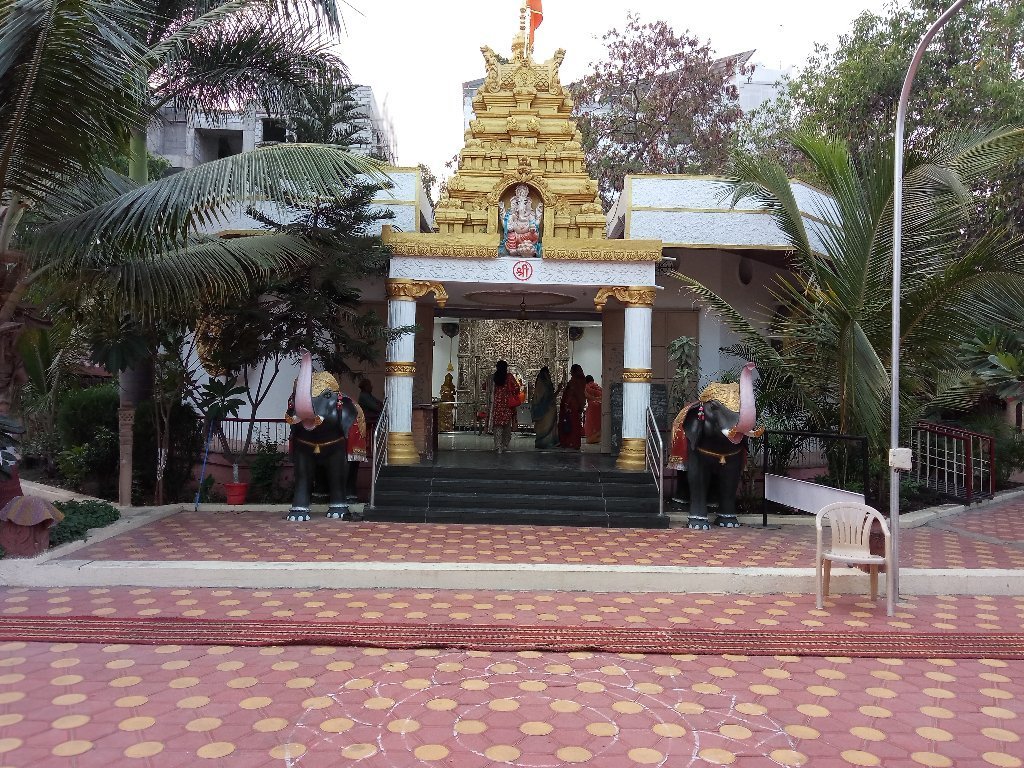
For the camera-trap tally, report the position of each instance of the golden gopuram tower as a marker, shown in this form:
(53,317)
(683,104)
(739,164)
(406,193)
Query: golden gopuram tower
(523,134)
(521,215)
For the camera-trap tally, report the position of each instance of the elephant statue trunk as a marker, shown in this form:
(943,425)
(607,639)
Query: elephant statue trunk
(304,393)
(748,410)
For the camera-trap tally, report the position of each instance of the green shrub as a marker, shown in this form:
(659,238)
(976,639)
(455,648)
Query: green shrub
(82,411)
(79,517)
(87,429)
(263,471)
(95,460)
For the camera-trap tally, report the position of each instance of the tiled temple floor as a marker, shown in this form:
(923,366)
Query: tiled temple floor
(976,538)
(81,705)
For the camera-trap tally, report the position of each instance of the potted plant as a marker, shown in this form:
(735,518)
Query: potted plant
(220,400)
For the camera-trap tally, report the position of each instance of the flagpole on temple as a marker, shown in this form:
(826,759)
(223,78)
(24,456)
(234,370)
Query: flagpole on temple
(527,36)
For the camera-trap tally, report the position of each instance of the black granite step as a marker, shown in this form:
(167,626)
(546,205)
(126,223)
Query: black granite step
(553,489)
(488,516)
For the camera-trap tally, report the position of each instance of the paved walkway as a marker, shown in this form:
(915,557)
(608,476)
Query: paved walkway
(82,705)
(979,538)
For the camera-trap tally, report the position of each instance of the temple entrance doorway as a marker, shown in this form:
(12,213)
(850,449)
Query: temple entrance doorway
(466,349)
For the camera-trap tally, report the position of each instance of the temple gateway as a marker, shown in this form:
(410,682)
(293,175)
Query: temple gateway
(522,264)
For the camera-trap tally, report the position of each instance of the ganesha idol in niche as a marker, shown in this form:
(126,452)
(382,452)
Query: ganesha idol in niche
(520,223)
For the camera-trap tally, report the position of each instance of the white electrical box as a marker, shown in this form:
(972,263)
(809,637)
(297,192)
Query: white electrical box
(901,459)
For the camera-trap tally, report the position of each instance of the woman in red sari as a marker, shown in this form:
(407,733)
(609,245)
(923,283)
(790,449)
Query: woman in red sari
(570,414)
(503,390)
(592,419)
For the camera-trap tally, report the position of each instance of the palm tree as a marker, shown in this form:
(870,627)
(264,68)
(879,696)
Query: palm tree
(832,333)
(75,82)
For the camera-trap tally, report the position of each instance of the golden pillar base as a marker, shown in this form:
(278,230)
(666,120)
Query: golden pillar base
(632,455)
(402,449)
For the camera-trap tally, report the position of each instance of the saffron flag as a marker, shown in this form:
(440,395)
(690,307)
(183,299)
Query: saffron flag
(536,17)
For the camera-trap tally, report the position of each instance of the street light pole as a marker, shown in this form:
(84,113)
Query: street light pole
(897,234)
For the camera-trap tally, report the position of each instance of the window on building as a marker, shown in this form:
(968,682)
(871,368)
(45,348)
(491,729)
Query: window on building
(273,130)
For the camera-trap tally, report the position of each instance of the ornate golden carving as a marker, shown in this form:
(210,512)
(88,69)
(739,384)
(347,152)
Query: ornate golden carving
(636,375)
(402,449)
(446,411)
(630,296)
(429,245)
(627,251)
(522,131)
(526,345)
(632,455)
(400,369)
(404,289)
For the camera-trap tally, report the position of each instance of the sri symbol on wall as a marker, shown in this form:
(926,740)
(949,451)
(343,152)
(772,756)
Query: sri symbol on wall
(520,225)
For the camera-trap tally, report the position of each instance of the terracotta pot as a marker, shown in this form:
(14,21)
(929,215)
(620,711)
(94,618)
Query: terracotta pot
(236,492)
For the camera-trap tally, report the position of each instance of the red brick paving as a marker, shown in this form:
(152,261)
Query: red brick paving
(82,705)
(266,537)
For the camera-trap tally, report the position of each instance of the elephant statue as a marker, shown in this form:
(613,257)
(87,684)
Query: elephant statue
(327,428)
(709,439)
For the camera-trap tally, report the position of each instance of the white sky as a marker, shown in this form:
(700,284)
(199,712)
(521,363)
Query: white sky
(416,54)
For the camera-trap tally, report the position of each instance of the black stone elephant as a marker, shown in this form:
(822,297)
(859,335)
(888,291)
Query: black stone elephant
(709,441)
(328,429)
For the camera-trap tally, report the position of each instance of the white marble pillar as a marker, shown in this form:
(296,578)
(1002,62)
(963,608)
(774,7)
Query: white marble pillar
(636,371)
(400,367)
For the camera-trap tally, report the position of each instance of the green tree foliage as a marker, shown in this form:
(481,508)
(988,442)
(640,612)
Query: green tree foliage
(833,339)
(327,112)
(996,358)
(972,76)
(319,308)
(658,102)
(77,77)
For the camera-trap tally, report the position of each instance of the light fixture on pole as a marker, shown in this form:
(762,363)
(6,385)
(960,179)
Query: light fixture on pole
(522,308)
(899,458)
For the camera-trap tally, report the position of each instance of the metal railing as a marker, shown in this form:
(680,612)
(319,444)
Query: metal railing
(954,462)
(380,450)
(232,434)
(655,457)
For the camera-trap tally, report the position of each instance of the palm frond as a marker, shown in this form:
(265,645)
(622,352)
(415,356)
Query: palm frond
(72,83)
(764,181)
(207,271)
(247,59)
(164,214)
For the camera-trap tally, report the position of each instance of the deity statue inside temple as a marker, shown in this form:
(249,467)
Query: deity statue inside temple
(521,225)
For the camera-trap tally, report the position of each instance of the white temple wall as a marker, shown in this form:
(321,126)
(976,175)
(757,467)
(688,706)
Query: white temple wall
(720,272)
(587,351)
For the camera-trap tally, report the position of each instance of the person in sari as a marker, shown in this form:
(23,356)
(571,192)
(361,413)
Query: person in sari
(503,396)
(544,410)
(592,417)
(570,414)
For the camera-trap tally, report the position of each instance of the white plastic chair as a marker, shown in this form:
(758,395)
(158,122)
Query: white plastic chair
(851,528)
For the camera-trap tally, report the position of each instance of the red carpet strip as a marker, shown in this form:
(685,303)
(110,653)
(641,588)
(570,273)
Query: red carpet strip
(483,637)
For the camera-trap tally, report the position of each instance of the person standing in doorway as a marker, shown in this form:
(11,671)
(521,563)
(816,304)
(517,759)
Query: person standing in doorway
(503,396)
(544,410)
(570,414)
(592,418)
